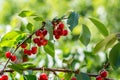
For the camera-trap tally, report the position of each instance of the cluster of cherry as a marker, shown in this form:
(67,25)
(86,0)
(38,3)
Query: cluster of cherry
(10,56)
(59,30)
(102,75)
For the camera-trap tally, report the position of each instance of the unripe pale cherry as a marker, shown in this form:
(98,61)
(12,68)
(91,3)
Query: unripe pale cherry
(43,76)
(8,54)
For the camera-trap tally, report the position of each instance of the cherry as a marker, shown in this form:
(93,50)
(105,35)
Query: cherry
(57,36)
(24,59)
(4,77)
(24,45)
(34,50)
(73,78)
(103,73)
(38,32)
(13,58)
(65,32)
(36,40)
(43,76)
(8,54)
(44,32)
(44,42)
(98,77)
(61,25)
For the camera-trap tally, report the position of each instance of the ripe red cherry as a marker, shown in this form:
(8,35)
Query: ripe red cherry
(38,32)
(57,36)
(44,42)
(24,45)
(98,77)
(36,40)
(61,26)
(44,32)
(4,77)
(13,58)
(65,32)
(43,76)
(8,54)
(103,73)
(34,50)
(73,78)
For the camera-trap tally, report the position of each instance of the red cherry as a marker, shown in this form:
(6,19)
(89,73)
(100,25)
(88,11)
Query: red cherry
(73,78)
(98,78)
(4,77)
(34,50)
(27,52)
(24,45)
(57,36)
(103,73)
(44,42)
(55,32)
(36,40)
(65,32)
(44,32)
(61,25)
(43,76)
(59,31)
(38,32)
(13,58)
(8,54)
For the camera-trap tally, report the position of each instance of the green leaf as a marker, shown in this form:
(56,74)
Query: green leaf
(100,26)
(16,67)
(30,27)
(38,18)
(73,20)
(10,39)
(114,56)
(11,35)
(28,65)
(26,13)
(22,27)
(82,76)
(49,48)
(49,28)
(30,77)
(67,76)
(85,35)
(102,44)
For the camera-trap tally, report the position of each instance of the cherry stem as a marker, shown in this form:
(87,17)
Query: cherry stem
(2,71)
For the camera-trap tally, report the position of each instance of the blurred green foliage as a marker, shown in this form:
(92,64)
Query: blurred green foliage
(70,52)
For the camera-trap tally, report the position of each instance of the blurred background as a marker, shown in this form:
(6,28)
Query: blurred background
(107,11)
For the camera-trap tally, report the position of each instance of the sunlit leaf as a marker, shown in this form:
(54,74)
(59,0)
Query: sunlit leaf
(67,76)
(38,18)
(85,35)
(49,48)
(30,27)
(114,56)
(73,20)
(100,26)
(26,13)
(101,45)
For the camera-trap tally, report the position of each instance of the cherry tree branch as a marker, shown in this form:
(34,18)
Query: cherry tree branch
(58,70)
